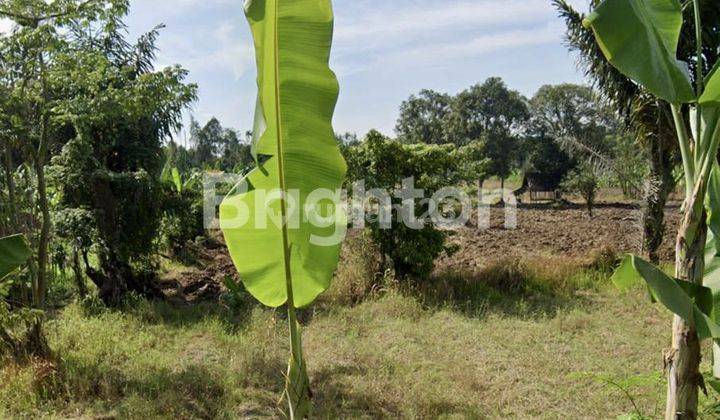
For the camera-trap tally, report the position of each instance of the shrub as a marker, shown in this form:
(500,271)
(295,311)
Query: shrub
(383,163)
(182,220)
(585,182)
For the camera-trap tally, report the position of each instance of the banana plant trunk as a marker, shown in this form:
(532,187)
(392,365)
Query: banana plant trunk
(682,361)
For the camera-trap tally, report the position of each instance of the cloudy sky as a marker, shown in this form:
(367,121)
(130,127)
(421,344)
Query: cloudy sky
(384,51)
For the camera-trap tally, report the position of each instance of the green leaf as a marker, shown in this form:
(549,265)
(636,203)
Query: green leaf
(712,87)
(14,251)
(691,302)
(296,151)
(640,38)
(714,384)
(712,254)
(177,180)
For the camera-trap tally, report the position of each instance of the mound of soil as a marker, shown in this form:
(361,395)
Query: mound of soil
(206,282)
(570,232)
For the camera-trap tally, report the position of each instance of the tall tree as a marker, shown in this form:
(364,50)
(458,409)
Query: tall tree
(491,112)
(30,54)
(423,118)
(118,110)
(575,117)
(207,141)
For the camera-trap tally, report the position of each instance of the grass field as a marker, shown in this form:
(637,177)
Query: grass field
(563,344)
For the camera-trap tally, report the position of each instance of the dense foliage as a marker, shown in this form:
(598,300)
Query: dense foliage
(383,163)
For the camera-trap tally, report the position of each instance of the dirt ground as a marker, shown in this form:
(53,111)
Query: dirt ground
(543,230)
(203,282)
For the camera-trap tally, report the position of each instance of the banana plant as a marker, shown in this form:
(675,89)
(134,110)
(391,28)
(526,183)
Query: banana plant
(640,38)
(14,252)
(272,219)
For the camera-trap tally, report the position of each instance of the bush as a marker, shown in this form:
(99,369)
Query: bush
(383,163)
(584,181)
(182,221)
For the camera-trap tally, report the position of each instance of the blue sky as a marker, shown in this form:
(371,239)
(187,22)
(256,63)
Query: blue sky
(384,51)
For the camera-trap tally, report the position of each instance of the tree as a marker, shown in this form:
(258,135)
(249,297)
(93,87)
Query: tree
(117,116)
(383,163)
(584,181)
(546,163)
(473,163)
(218,147)
(423,118)
(575,117)
(31,71)
(235,155)
(491,112)
(206,140)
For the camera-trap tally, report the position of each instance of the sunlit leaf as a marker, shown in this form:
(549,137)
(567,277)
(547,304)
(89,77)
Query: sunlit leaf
(297,152)
(283,223)
(177,180)
(712,87)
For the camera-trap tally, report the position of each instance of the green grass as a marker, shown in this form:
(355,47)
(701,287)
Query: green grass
(559,343)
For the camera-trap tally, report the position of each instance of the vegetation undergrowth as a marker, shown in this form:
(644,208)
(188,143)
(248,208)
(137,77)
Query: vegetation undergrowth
(390,351)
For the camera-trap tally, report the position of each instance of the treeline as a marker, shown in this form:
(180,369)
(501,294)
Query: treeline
(563,138)
(212,147)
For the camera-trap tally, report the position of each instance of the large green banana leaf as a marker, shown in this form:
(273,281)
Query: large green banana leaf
(295,150)
(14,251)
(640,38)
(691,302)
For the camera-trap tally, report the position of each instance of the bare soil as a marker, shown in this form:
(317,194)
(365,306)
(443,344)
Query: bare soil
(549,231)
(542,231)
(205,281)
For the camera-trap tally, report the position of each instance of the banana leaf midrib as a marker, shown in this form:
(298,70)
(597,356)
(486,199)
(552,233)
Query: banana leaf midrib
(280,160)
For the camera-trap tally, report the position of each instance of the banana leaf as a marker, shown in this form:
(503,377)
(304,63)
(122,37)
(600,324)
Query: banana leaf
(645,50)
(296,152)
(711,94)
(284,223)
(692,302)
(14,252)
(712,255)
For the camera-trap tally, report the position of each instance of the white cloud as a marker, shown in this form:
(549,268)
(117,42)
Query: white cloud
(180,7)
(480,45)
(223,49)
(397,22)
(412,33)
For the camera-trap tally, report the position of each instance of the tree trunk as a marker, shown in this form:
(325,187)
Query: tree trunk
(502,191)
(683,359)
(659,185)
(41,291)
(77,271)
